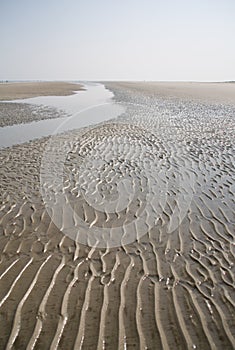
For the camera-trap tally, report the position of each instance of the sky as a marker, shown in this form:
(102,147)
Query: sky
(155,40)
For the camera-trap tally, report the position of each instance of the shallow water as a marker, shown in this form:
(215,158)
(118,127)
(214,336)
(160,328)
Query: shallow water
(85,108)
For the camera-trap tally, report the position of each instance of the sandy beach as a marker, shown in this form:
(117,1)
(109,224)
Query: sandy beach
(201,92)
(14,91)
(97,277)
(16,113)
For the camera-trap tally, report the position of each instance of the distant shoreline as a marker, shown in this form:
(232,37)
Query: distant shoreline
(20,90)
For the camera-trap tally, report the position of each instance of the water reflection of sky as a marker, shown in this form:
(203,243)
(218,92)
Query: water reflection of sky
(85,107)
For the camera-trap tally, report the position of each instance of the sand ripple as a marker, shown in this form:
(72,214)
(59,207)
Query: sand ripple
(17,113)
(171,288)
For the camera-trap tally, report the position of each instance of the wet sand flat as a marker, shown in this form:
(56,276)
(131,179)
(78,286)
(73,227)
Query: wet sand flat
(12,113)
(14,91)
(207,92)
(166,282)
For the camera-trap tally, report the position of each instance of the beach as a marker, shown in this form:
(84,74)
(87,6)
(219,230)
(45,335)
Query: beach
(17,113)
(18,90)
(222,92)
(120,235)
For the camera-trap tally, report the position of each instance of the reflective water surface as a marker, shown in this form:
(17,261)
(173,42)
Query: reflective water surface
(85,108)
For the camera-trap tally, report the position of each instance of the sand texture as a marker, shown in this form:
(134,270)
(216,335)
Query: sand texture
(14,91)
(206,92)
(18,113)
(169,160)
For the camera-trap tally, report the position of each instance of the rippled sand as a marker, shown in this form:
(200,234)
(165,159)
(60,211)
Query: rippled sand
(18,113)
(169,161)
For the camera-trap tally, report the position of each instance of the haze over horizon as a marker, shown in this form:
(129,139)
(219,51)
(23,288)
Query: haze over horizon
(103,40)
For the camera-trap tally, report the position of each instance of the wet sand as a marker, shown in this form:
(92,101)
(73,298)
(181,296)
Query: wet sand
(206,92)
(17,113)
(20,113)
(173,286)
(15,91)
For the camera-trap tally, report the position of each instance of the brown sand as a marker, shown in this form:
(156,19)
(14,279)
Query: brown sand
(208,92)
(14,91)
(166,290)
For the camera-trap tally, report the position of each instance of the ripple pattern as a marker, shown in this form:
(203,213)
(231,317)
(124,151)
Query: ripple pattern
(171,288)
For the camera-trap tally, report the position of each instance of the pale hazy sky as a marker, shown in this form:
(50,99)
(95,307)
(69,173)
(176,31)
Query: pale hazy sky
(117,40)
